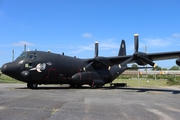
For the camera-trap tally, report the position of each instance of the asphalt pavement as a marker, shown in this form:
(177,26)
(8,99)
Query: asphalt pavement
(62,103)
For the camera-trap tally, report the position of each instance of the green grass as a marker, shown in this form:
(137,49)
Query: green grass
(7,79)
(132,82)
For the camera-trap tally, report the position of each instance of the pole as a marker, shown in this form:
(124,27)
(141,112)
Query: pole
(138,77)
(146,64)
(24,47)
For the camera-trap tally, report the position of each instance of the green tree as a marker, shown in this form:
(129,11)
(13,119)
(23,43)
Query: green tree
(164,69)
(134,66)
(174,68)
(157,68)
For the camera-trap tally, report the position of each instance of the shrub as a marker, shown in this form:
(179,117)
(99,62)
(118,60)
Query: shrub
(173,80)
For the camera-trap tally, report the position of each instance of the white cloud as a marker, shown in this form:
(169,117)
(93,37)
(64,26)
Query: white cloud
(163,42)
(103,45)
(87,35)
(22,43)
(109,44)
(157,42)
(170,43)
(176,35)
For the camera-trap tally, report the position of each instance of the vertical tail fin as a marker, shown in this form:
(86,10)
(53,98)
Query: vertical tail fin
(122,49)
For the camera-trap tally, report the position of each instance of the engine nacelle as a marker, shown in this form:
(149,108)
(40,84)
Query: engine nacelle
(84,77)
(178,62)
(143,59)
(26,75)
(140,62)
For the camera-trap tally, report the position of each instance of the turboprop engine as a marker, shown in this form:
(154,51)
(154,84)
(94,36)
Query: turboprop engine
(178,62)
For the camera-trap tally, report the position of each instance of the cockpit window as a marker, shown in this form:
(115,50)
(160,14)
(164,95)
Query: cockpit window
(23,55)
(32,56)
(28,55)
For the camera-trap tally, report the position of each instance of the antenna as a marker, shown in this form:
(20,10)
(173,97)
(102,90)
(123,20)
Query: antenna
(12,55)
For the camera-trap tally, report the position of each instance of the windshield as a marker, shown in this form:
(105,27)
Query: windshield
(28,55)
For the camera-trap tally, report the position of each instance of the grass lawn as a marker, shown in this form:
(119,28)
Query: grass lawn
(7,79)
(134,82)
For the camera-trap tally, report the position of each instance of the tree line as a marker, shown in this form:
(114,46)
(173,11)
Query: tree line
(175,67)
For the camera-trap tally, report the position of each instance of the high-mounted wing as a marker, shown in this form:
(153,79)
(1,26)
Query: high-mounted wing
(150,56)
(140,58)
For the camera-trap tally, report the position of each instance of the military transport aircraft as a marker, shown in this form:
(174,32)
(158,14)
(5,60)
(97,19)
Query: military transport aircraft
(38,67)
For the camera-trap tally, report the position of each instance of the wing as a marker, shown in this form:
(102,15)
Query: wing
(164,55)
(140,58)
(150,56)
(110,61)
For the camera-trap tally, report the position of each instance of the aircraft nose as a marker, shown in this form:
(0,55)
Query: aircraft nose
(4,68)
(10,68)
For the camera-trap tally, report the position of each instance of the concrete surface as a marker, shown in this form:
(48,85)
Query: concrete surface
(61,103)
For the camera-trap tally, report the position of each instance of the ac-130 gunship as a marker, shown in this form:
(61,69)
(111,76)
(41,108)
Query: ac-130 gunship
(38,67)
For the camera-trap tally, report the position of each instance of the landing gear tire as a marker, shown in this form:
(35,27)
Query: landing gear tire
(99,86)
(32,85)
(79,86)
(72,86)
(75,86)
(92,86)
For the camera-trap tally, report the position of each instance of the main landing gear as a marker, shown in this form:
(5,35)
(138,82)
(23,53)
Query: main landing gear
(75,86)
(32,85)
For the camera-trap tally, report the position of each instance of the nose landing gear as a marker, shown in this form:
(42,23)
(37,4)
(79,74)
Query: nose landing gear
(32,85)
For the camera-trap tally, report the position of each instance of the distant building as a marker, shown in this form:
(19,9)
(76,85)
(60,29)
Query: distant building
(167,72)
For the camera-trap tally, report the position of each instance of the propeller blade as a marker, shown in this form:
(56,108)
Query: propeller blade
(150,62)
(136,43)
(125,62)
(96,50)
(87,66)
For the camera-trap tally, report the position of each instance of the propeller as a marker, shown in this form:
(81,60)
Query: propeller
(150,62)
(96,50)
(141,57)
(95,57)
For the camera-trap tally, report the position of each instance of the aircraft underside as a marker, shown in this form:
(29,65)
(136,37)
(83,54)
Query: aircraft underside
(92,84)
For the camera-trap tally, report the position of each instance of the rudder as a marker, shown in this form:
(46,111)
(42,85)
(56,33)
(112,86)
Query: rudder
(122,50)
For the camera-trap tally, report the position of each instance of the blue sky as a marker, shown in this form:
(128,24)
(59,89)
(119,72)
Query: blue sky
(73,26)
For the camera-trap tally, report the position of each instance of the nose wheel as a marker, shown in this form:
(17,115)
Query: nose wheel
(32,85)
